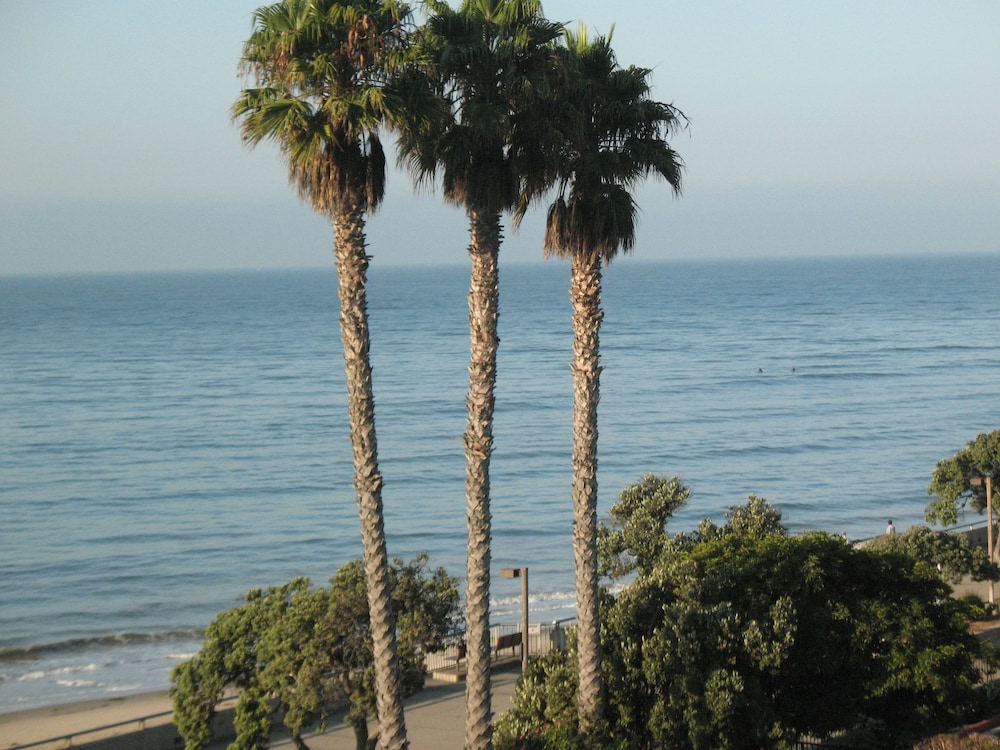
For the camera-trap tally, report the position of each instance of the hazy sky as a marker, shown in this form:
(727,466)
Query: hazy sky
(816,128)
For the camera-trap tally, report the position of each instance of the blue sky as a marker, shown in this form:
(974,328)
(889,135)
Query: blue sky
(816,129)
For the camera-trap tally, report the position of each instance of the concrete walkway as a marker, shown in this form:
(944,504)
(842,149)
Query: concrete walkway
(435,717)
(435,720)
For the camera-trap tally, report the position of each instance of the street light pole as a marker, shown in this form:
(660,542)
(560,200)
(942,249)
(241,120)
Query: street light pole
(978,481)
(521,573)
(989,529)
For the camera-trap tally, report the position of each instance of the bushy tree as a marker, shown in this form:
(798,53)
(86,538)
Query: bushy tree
(636,539)
(299,652)
(545,714)
(756,519)
(749,642)
(953,555)
(950,481)
(637,534)
(742,636)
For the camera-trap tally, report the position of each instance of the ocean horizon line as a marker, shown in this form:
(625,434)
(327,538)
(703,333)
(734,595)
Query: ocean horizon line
(629,258)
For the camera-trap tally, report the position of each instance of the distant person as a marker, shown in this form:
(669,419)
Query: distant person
(558,636)
(890,529)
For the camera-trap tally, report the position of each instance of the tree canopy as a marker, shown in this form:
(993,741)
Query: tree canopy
(608,134)
(321,68)
(636,539)
(952,555)
(745,642)
(488,60)
(743,636)
(950,481)
(636,536)
(301,652)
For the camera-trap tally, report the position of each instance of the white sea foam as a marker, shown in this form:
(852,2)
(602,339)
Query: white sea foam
(134,687)
(76,683)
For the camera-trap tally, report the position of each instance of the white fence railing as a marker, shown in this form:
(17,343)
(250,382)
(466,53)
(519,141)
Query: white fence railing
(542,638)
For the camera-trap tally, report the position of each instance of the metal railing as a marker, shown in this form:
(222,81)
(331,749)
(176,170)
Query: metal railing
(542,638)
(139,723)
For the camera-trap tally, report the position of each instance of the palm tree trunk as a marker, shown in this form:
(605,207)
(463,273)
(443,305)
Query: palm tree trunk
(585,294)
(483,343)
(352,268)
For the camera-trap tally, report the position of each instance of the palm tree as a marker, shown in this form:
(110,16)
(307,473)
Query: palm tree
(613,135)
(320,67)
(486,59)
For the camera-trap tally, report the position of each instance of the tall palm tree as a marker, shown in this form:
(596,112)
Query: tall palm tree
(613,135)
(320,67)
(486,59)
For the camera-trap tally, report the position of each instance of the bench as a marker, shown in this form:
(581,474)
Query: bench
(511,641)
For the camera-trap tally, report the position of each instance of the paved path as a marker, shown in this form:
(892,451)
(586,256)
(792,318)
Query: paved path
(435,718)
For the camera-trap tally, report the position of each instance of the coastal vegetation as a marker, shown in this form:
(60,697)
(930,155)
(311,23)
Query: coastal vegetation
(737,635)
(953,555)
(730,636)
(960,480)
(297,653)
(743,636)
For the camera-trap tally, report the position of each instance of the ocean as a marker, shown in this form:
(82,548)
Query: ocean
(169,441)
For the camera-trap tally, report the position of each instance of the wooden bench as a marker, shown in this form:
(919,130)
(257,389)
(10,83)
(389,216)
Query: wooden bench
(511,641)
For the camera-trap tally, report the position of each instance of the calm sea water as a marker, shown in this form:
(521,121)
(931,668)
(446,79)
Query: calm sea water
(169,441)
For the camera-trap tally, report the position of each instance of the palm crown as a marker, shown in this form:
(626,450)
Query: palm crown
(487,60)
(612,136)
(321,67)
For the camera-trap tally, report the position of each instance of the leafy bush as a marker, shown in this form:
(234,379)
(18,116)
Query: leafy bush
(299,653)
(952,555)
(950,480)
(742,636)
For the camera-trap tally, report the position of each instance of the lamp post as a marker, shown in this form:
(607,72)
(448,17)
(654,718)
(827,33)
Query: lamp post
(979,481)
(521,573)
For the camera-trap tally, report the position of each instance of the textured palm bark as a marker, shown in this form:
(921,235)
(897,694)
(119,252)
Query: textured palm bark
(585,295)
(483,343)
(352,268)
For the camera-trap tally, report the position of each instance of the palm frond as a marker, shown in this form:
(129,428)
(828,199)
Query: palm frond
(323,68)
(487,62)
(613,135)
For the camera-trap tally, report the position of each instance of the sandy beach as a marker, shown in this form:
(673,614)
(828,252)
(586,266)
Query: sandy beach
(120,716)
(435,718)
